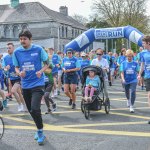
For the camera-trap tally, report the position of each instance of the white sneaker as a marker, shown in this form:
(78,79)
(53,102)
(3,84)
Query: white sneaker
(23,108)
(55,93)
(131,109)
(20,107)
(52,95)
(42,101)
(128,103)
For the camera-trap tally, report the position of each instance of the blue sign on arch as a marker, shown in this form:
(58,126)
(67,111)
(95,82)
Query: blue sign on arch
(109,33)
(85,39)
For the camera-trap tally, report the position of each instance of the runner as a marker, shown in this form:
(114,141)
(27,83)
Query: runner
(102,62)
(28,64)
(14,79)
(139,56)
(129,69)
(145,65)
(48,88)
(70,66)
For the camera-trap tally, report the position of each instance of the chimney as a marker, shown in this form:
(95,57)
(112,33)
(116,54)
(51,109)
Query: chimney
(14,3)
(63,10)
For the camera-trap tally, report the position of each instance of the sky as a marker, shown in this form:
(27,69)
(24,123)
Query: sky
(80,7)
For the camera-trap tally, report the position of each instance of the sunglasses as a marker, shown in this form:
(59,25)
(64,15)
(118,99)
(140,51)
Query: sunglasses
(69,52)
(99,54)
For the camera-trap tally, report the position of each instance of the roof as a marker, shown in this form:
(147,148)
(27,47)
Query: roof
(34,12)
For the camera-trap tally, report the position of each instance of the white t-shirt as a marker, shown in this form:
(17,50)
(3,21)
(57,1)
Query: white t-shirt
(101,63)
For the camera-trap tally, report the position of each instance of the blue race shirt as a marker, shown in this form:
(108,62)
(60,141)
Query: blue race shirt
(130,70)
(140,55)
(95,82)
(55,60)
(146,59)
(121,59)
(8,61)
(112,62)
(30,60)
(70,63)
(84,63)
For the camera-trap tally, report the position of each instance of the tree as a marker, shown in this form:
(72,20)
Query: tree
(97,23)
(123,12)
(83,20)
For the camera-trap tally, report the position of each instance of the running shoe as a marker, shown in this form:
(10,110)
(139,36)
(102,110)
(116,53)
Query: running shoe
(70,102)
(5,103)
(19,107)
(131,109)
(41,137)
(36,136)
(128,103)
(54,107)
(73,106)
(1,106)
(49,111)
(55,93)
(58,92)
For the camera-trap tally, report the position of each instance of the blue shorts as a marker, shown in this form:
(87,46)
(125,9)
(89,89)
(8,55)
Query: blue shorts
(70,78)
(143,73)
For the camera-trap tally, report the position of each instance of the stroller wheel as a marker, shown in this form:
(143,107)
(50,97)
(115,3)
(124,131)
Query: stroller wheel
(82,106)
(87,112)
(107,106)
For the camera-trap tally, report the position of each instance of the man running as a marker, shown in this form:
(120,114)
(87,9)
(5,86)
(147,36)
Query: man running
(28,64)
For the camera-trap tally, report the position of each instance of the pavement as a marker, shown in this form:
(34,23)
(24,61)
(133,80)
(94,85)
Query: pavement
(67,129)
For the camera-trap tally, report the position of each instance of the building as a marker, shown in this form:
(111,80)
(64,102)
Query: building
(49,28)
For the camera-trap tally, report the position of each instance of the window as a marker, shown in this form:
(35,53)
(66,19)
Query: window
(66,32)
(76,33)
(24,27)
(15,31)
(7,32)
(72,33)
(62,31)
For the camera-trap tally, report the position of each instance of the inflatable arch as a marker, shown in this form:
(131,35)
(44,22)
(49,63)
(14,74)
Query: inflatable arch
(85,39)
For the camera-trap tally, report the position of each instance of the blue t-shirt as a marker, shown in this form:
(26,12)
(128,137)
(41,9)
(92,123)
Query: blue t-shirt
(140,55)
(121,59)
(70,63)
(112,61)
(55,60)
(94,82)
(85,62)
(106,56)
(145,57)
(8,61)
(30,60)
(130,70)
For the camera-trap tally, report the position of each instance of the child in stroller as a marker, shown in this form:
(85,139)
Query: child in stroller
(92,84)
(93,81)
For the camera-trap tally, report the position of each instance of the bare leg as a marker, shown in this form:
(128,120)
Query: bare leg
(73,89)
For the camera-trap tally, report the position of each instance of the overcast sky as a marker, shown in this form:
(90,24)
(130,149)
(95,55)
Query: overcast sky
(81,7)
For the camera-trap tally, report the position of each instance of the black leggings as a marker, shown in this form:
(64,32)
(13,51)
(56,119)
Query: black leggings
(32,99)
(47,97)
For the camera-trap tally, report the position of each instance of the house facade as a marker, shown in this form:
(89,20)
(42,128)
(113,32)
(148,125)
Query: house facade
(50,29)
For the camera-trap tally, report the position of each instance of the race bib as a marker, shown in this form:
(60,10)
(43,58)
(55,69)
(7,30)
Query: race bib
(28,66)
(129,71)
(67,63)
(13,74)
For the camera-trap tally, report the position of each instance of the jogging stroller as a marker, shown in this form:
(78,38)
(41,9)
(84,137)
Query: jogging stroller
(98,99)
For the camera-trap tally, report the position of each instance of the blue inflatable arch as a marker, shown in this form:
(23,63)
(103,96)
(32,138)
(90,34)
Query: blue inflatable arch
(85,39)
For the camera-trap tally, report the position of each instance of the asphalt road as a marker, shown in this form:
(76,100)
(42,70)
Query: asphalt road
(67,129)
